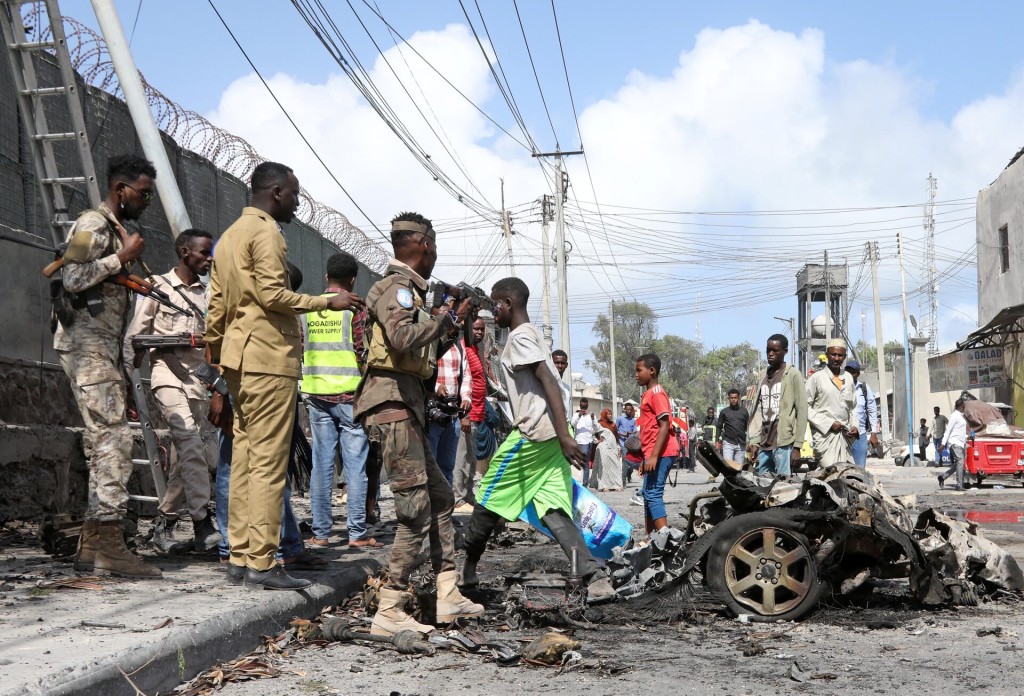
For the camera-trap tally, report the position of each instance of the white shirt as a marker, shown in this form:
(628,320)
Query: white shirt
(956,431)
(585,426)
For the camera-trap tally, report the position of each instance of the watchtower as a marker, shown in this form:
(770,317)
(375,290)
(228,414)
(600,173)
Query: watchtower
(821,296)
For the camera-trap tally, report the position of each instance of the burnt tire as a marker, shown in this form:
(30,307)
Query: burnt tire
(762,565)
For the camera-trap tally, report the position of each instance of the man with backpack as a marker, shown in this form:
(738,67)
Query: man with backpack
(867,416)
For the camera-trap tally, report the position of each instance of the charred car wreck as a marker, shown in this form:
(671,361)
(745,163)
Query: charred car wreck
(771,550)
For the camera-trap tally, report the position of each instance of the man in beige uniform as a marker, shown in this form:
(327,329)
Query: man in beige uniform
(88,341)
(183,399)
(253,333)
(401,364)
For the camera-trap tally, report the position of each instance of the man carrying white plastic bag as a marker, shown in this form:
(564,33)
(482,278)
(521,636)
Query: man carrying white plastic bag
(531,467)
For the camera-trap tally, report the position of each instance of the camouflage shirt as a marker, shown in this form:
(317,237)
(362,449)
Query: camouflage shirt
(92,258)
(391,310)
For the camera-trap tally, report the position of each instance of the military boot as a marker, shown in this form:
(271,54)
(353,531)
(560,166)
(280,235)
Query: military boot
(391,617)
(163,533)
(114,558)
(207,537)
(451,605)
(88,542)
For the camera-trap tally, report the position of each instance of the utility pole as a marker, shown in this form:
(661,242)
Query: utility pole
(879,343)
(929,262)
(828,304)
(906,349)
(611,344)
(561,181)
(138,106)
(506,224)
(545,218)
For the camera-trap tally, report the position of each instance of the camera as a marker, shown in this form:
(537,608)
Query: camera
(439,290)
(443,409)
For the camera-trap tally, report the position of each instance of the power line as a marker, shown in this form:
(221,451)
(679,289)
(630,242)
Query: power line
(536,77)
(295,125)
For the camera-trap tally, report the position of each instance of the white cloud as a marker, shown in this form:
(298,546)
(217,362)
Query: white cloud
(749,118)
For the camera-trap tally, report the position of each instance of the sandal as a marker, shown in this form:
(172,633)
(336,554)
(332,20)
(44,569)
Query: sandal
(306,560)
(367,543)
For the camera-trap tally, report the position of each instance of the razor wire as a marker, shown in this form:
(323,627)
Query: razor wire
(226,151)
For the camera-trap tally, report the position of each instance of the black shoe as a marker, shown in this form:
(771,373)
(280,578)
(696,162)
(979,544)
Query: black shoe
(163,534)
(942,481)
(235,574)
(207,537)
(273,579)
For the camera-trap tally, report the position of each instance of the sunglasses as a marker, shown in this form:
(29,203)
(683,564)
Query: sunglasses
(147,196)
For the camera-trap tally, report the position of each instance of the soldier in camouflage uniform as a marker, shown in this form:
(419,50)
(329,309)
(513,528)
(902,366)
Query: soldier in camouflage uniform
(88,341)
(391,403)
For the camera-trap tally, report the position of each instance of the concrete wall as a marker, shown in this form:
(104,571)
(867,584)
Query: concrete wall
(924,400)
(1000,204)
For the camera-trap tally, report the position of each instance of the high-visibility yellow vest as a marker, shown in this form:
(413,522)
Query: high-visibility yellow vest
(329,363)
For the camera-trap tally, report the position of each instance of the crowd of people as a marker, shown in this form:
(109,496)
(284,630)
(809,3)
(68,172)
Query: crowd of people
(387,381)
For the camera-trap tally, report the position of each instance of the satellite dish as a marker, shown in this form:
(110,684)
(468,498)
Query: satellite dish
(913,322)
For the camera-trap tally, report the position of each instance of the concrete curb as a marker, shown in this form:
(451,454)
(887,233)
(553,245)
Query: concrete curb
(185,652)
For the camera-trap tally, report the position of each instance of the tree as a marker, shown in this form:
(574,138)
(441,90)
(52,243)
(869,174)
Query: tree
(636,330)
(893,352)
(867,355)
(722,369)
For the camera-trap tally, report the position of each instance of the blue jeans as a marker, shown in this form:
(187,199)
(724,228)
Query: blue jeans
(653,489)
(291,537)
(586,469)
(734,452)
(860,450)
(444,443)
(333,427)
(937,441)
(774,461)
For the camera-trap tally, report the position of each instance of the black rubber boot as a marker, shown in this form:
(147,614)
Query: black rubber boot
(481,526)
(568,536)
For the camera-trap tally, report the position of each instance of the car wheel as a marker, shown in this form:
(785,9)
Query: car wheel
(761,564)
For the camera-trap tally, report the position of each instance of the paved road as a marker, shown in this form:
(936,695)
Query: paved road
(882,644)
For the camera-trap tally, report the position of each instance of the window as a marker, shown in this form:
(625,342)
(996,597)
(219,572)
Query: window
(1004,249)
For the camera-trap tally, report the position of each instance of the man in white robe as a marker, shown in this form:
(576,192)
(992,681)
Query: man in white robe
(832,408)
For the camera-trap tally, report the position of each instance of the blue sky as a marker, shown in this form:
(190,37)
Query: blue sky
(684,107)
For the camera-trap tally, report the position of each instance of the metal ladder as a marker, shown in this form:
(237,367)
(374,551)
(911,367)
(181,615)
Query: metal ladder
(31,97)
(140,388)
(52,183)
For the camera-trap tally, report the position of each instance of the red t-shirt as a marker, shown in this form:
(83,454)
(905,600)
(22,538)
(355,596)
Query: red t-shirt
(478,384)
(654,405)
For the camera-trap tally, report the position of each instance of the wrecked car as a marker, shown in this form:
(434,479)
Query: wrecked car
(772,549)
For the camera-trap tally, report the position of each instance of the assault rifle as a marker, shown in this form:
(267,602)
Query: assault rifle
(205,373)
(147,289)
(177,340)
(478,299)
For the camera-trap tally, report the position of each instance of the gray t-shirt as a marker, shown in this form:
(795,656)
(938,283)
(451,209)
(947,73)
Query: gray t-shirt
(769,398)
(939,426)
(530,411)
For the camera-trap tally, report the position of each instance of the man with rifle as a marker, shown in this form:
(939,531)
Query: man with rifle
(180,393)
(92,314)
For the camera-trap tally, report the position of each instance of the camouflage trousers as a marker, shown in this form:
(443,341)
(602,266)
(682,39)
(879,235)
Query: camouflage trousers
(423,500)
(99,390)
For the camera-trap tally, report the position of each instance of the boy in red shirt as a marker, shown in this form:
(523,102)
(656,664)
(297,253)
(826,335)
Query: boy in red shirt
(657,440)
